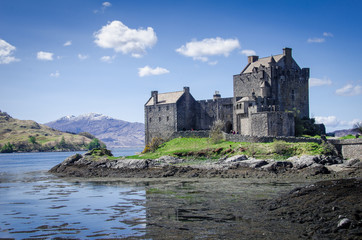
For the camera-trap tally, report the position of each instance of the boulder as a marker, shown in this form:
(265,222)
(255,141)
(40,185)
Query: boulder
(167,160)
(303,161)
(70,160)
(236,158)
(328,160)
(253,163)
(344,223)
(132,163)
(277,166)
(352,162)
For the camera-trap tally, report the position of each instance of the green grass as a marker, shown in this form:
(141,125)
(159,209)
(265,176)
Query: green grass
(350,136)
(199,149)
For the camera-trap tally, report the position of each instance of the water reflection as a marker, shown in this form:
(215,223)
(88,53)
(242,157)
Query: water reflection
(35,204)
(57,208)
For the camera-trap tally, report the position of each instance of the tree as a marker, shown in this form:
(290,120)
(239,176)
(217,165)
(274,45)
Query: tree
(62,143)
(216,133)
(358,127)
(32,139)
(94,144)
(7,148)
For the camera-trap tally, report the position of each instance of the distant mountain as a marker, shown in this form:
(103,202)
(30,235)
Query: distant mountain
(28,136)
(344,132)
(113,132)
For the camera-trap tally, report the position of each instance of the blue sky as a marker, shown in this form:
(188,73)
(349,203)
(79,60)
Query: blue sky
(66,57)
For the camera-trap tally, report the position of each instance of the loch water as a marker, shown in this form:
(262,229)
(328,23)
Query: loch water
(36,204)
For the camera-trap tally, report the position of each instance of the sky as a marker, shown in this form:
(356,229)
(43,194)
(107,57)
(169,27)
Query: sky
(66,57)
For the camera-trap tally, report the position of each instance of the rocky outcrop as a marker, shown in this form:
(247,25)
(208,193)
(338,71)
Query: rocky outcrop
(98,165)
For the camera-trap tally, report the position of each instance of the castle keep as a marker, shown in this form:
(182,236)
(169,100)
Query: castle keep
(266,93)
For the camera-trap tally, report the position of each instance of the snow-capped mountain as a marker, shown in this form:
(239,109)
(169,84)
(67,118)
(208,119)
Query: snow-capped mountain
(113,132)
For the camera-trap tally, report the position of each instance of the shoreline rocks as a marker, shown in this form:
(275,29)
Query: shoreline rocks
(239,166)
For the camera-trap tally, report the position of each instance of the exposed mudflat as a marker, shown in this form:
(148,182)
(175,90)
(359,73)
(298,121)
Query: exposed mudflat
(324,210)
(239,198)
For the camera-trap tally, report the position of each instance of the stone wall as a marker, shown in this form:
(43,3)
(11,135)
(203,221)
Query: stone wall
(186,112)
(188,134)
(160,121)
(349,148)
(212,109)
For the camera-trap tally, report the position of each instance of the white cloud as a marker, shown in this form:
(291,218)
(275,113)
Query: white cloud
(107,59)
(56,74)
(106,4)
(67,43)
(118,36)
(201,50)
(212,63)
(316,40)
(45,56)
(82,57)
(333,123)
(327,34)
(349,90)
(248,52)
(148,71)
(315,82)
(103,8)
(6,50)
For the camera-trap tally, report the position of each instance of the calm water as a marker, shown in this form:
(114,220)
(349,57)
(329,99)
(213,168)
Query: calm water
(36,204)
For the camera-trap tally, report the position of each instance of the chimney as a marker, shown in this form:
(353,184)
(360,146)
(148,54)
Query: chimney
(186,89)
(217,95)
(287,52)
(154,94)
(252,59)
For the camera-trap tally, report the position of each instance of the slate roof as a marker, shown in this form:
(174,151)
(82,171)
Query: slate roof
(166,98)
(262,61)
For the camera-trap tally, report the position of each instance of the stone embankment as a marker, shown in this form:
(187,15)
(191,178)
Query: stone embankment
(239,166)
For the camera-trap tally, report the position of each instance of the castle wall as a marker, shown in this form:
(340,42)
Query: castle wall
(293,89)
(267,124)
(186,112)
(160,121)
(210,110)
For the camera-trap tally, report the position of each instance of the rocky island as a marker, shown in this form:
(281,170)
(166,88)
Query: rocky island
(326,206)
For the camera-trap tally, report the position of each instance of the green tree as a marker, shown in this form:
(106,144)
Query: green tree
(7,148)
(94,144)
(32,139)
(216,133)
(62,142)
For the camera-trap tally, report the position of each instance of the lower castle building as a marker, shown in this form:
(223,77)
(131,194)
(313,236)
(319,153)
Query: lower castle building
(267,94)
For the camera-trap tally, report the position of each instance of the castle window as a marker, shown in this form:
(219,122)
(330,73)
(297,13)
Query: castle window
(150,110)
(159,108)
(150,120)
(167,118)
(159,119)
(293,97)
(167,107)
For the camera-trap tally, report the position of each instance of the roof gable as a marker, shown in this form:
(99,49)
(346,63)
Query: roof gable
(262,61)
(166,98)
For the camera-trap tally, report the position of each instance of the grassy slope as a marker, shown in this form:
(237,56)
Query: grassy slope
(15,131)
(203,148)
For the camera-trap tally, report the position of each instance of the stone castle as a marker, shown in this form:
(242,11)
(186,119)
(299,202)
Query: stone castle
(266,93)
